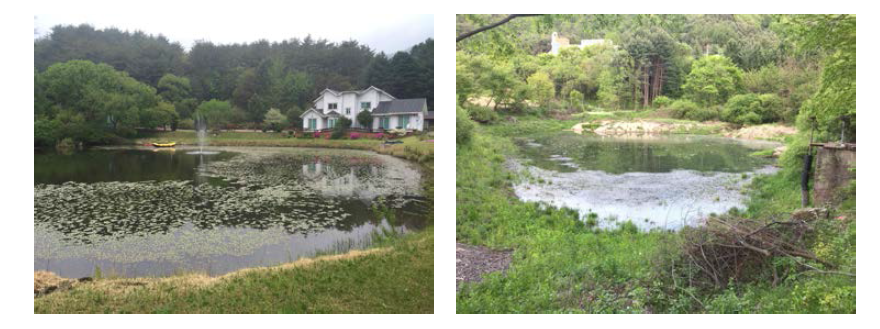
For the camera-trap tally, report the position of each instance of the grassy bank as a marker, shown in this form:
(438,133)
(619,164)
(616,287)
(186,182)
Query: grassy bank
(234,138)
(413,148)
(562,265)
(395,276)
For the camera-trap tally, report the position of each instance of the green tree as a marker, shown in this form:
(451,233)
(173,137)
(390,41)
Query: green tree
(576,100)
(145,57)
(173,88)
(365,119)
(88,99)
(342,126)
(541,87)
(293,116)
(835,100)
(752,109)
(275,120)
(185,108)
(243,96)
(464,126)
(465,81)
(217,113)
(712,80)
(162,115)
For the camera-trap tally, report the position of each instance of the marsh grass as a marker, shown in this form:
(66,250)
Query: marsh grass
(563,264)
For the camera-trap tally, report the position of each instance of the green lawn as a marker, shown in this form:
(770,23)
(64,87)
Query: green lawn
(395,277)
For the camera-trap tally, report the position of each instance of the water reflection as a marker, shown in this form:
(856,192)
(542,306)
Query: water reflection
(654,181)
(243,201)
(567,152)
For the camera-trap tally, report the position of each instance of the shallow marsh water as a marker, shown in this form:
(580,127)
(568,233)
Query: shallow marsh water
(655,181)
(145,212)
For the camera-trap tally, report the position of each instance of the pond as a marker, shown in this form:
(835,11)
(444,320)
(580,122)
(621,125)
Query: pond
(654,181)
(152,212)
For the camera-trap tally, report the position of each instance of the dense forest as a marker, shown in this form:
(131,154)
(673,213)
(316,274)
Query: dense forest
(517,93)
(93,85)
(744,69)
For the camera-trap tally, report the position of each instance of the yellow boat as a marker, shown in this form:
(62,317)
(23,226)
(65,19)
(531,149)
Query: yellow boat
(165,144)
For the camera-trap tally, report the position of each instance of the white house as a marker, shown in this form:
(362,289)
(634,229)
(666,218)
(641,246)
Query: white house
(406,114)
(557,42)
(388,112)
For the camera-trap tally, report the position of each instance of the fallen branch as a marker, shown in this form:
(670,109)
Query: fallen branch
(740,249)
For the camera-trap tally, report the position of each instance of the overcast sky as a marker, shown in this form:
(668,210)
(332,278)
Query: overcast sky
(382,32)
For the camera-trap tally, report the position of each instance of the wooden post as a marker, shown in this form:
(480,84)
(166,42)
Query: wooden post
(805,175)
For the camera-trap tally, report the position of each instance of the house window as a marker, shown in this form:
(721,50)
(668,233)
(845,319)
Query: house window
(365,106)
(331,106)
(347,111)
(313,124)
(331,123)
(404,121)
(385,122)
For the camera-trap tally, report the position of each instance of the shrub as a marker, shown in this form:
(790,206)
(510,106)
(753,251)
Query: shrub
(752,109)
(354,136)
(688,110)
(274,120)
(342,125)
(365,119)
(45,132)
(483,114)
(750,118)
(66,144)
(186,124)
(772,107)
(679,108)
(464,126)
(702,114)
(576,100)
(662,102)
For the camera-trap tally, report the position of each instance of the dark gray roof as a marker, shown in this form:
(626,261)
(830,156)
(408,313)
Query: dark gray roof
(430,115)
(411,105)
(320,112)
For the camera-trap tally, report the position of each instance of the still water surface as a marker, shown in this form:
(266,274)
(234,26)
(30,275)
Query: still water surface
(146,212)
(655,181)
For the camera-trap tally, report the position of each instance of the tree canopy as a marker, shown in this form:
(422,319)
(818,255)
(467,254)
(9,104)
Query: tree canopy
(798,67)
(133,80)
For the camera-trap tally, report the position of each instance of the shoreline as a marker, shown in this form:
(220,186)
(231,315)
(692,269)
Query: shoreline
(413,150)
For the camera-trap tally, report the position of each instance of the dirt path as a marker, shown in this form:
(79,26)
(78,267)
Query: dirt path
(471,262)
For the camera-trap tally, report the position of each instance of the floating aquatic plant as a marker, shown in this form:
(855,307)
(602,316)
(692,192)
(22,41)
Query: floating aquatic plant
(253,200)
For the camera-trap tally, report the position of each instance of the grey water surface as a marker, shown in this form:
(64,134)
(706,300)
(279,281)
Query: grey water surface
(150,212)
(654,181)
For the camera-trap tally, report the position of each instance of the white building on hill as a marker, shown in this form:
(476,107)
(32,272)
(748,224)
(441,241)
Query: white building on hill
(557,43)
